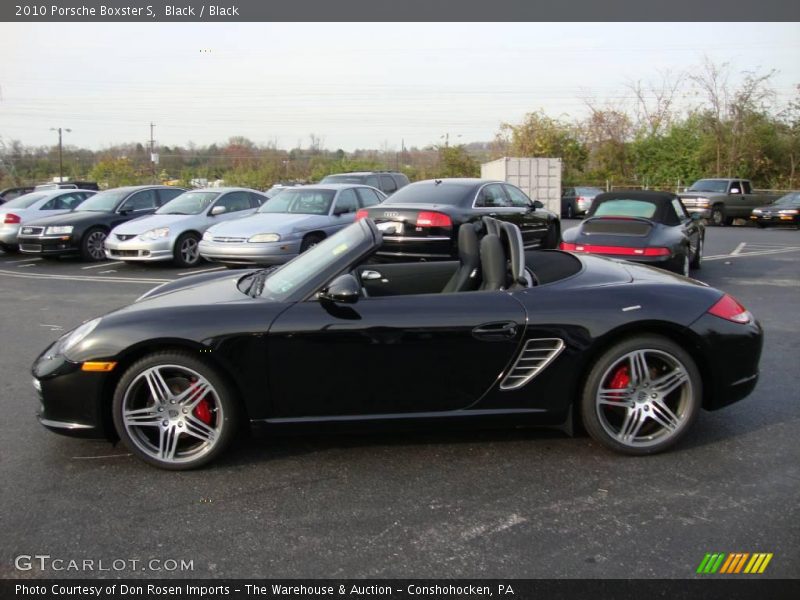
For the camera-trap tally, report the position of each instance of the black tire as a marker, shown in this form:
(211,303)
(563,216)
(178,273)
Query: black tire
(718,217)
(175,368)
(9,248)
(552,238)
(697,259)
(682,263)
(760,225)
(312,239)
(186,252)
(92,244)
(683,402)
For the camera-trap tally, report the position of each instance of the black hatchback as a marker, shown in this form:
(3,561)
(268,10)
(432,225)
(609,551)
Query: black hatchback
(84,230)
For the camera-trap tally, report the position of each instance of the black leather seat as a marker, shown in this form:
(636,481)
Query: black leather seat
(465,278)
(493,263)
(513,244)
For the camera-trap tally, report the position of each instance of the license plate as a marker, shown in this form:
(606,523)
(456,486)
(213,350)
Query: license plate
(391,227)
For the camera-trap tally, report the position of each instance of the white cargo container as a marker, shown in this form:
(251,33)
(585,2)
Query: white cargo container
(540,178)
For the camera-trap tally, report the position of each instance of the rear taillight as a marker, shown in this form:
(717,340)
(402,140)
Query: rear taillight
(619,250)
(728,308)
(11,218)
(433,219)
(361,214)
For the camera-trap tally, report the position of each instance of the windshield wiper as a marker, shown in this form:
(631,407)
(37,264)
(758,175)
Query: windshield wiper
(257,281)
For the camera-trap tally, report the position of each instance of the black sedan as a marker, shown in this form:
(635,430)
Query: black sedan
(498,336)
(421,220)
(84,230)
(784,211)
(647,227)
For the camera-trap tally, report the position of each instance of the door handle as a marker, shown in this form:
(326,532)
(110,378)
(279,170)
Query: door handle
(370,275)
(493,332)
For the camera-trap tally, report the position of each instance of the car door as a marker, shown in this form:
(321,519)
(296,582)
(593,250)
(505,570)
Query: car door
(138,204)
(532,223)
(237,204)
(391,355)
(345,206)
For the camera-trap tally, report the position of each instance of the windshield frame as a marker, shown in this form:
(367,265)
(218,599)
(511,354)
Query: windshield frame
(370,241)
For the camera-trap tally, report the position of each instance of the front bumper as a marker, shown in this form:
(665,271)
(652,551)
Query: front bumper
(47,244)
(71,399)
(702,211)
(139,250)
(246,253)
(775,220)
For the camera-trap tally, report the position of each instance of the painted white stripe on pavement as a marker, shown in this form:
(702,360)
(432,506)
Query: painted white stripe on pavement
(738,249)
(104,264)
(761,253)
(82,278)
(202,271)
(13,262)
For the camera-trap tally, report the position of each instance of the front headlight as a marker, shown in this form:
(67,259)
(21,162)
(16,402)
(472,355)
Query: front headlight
(78,334)
(788,211)
(154,234)
(757,211)
(702,202)
(208,236)
(58,230)
(265,237)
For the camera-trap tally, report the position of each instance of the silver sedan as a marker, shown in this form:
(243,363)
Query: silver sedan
(35,205)
(287,224)
(174,230)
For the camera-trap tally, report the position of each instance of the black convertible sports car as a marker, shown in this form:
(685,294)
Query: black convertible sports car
(648,227)
(499,335)
(421,220)
(84,230)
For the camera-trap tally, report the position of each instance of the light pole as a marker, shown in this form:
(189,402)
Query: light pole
(60,152)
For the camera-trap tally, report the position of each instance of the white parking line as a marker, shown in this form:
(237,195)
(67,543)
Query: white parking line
(202,271)
(758,253)
(13,262)
(738,249)
(109,271)
(105,264)
(83,278)
(24,266)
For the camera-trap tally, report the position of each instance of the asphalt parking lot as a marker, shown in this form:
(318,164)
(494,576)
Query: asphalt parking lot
(437,503)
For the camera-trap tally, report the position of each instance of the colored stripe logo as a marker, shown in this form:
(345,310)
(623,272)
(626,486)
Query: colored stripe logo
(734,563)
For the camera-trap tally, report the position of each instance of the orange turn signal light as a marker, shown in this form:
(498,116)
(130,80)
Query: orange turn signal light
(100,367)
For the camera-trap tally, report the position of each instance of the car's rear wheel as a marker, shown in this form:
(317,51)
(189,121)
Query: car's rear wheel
(9,248)
(552,237)
(92,244)
(641,396)
(311,240)
(174,411)
(186,252)
(697,257)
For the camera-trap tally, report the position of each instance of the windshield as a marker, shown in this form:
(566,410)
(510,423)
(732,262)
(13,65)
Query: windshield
(787,200)
(102,202)
(717,186)
(426,192)
(303,201)
(190,203)
(626,208)
(23,201)
(314,261)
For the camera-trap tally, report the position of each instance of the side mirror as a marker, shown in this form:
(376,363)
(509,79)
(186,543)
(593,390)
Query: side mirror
(345,289)
(218,210)
(340,210)
(537,204)
(735,191)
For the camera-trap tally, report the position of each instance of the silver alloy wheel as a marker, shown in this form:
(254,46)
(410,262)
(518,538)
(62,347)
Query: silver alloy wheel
(160,413)
(644,398)
(190,250)
(94,244)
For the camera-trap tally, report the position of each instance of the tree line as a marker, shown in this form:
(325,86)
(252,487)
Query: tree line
(732,124)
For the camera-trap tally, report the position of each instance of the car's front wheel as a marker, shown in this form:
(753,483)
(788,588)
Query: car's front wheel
(186,252)
(92,244)
(552,238)
(642,395)
(174,411)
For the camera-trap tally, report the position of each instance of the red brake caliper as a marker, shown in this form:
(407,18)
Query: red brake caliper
(203,409)
(621,379)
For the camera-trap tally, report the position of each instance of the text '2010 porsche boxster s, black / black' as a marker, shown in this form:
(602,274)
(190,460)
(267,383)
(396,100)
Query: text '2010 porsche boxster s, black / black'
(500,335)
(647,227)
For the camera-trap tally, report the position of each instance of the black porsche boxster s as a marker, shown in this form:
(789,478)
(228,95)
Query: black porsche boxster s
(647,227)
(499,335)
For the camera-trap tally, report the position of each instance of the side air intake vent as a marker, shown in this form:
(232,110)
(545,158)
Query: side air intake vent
(533,359)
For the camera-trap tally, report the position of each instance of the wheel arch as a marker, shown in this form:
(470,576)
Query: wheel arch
(130,355)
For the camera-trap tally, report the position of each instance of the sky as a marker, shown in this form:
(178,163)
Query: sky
(360,85)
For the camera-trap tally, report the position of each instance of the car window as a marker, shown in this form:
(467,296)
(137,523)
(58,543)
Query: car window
(626,208)
(746,187)
(144,200)
(300,200)
(63,202)
(23,201)
(518,197)
(569,192)
(492,196)
(256,200)
(346,202)
(369,197)
(388,184)
(373,181)
(234,201)
(169,194)
(679,210)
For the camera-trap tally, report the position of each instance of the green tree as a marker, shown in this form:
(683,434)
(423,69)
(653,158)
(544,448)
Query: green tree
(455,161)
(114,172)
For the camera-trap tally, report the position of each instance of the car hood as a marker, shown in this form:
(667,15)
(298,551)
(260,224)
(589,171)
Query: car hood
(146,223)
(282,223)
(698,194)
(71,218)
